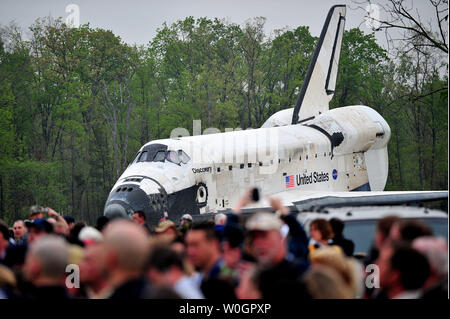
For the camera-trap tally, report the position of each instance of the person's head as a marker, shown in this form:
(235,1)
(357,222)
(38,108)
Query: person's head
(337,226)
(164,266)
(435,249)
(167,230)
(46,261)
(178,245)
(232,245)
(185,223)
(383,230)
(186,219)
(36,212)
(248,285)
(334,258)
(139,217)
(37,228)
(266,241)
(320,230)
(19,229)
(126,248)
(70,221)
(4,237)
(202,245)
(220,219)
(324,282)
(408,230)
(90,235)
(401,268)
(102,221)
(92,267)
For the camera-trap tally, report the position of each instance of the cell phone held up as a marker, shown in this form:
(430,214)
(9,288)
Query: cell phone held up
(255,194)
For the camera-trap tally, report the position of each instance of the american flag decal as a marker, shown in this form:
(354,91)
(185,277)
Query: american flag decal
(289,181)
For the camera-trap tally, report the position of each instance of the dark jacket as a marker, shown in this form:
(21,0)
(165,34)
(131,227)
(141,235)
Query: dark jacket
(298,240)
(132,289)
(283,280)
(48,293)
(347,245)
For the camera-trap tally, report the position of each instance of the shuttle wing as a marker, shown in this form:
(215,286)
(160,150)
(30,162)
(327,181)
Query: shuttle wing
(320,82)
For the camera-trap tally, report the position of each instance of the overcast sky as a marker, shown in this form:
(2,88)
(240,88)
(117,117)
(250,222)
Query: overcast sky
(136,21)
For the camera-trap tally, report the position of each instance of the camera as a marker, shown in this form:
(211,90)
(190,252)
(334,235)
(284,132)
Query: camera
(255,194)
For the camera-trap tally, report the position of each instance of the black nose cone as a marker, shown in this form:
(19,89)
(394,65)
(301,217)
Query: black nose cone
(125,200)
(116,210)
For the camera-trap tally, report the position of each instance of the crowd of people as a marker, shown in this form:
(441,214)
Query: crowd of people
(265,255)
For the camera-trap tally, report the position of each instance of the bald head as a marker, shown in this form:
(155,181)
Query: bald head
(128,243)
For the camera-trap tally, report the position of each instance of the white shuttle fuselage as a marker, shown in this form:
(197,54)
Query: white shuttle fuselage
(308,148)
(343,149)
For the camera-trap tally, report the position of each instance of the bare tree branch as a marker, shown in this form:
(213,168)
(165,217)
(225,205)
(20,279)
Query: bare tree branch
(401,18)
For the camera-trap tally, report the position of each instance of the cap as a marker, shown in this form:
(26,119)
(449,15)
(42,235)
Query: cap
(187,216)
(41,224)
(35,209)
(263,222)
(89,235)
(164,225)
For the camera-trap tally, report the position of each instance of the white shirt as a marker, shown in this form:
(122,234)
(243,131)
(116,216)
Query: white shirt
(187,288)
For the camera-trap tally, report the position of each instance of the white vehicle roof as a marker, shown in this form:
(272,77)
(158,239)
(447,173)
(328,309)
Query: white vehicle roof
(371,212)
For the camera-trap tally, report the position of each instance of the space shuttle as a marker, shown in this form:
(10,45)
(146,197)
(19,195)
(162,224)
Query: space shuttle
(299,155)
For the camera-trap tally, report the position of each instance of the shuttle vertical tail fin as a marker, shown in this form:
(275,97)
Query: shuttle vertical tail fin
(320,82)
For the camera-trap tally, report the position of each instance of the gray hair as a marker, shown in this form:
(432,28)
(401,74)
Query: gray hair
(53,254)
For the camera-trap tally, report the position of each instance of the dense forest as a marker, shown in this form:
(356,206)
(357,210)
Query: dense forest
(76,104)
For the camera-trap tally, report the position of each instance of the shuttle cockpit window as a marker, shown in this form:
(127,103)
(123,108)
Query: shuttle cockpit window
(184,158)
(159,153)
(172,157)
(143,156)
(160,156)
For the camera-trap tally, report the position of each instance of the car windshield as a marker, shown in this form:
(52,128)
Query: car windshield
(362,232)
